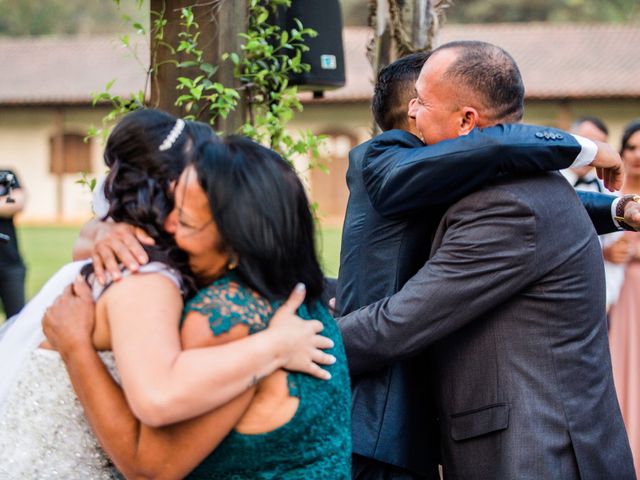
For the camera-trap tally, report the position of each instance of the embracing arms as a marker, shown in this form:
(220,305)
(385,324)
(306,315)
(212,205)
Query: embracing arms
(486,254)
(403,176)
(138,450)
(165,385)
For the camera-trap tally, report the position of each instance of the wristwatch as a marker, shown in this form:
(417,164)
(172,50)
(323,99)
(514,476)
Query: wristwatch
(620,210)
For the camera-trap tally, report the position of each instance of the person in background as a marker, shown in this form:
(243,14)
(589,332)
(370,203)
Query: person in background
(12,268)
(624,316)
(584,179)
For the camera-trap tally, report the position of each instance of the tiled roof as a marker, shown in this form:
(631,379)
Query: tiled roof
(566,60)
(556,60)
(54,70)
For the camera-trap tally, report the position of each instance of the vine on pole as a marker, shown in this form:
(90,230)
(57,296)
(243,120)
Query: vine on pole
(267,56)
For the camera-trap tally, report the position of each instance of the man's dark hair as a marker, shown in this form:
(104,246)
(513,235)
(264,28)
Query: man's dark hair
(490,72)
(595,121)
(396,85)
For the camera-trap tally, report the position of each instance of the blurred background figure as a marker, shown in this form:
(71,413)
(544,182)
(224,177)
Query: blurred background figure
(624,317)
(585,179)
(12,269)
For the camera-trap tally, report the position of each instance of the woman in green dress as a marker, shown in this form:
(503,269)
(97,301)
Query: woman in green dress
(242,216)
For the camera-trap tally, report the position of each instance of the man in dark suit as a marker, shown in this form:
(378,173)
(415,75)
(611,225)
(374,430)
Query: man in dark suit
(511,301)
(394,434)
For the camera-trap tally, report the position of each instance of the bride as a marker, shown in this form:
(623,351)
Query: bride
(43,431)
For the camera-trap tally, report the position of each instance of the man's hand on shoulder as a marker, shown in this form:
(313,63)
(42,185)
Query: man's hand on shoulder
(609,166)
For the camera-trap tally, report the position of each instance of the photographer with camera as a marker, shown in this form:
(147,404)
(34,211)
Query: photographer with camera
(12,268)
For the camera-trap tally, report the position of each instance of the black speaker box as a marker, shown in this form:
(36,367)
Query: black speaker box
(325,54)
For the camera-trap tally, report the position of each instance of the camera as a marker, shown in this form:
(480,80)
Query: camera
(7,182)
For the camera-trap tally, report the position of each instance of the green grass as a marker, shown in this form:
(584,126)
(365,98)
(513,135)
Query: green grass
(46,249)
(329,239)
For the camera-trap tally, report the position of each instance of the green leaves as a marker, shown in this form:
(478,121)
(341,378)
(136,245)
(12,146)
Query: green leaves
(266,59)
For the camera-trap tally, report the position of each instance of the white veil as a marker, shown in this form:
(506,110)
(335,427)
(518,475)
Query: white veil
(22,333)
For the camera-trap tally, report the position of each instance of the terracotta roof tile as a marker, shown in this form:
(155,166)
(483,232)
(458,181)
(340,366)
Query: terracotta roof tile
(556,60)
(44,70)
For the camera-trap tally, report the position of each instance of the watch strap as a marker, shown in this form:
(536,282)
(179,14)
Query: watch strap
(620,210)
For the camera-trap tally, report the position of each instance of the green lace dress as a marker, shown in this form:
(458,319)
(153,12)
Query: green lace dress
(316,442)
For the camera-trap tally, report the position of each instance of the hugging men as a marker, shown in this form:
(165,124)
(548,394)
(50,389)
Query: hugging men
(508,313)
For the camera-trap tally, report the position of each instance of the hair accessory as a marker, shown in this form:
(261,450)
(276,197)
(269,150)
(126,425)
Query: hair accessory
(173,135)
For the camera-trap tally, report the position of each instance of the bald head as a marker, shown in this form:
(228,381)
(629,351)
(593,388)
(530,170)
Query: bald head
(488,76)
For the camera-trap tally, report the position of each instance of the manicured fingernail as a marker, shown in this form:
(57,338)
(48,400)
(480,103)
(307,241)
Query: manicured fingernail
(332,359)
(327,376)
(300,287)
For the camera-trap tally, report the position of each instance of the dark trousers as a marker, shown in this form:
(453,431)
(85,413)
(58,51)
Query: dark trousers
(12,288)
(364,468)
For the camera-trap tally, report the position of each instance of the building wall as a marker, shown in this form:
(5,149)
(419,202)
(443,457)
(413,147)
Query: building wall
(25,147)
(25,134)
(615,113)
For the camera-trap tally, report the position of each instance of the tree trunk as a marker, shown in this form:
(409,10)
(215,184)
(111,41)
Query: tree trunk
(220,22)
(400,27)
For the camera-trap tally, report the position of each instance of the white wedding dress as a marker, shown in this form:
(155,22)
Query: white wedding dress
(43,430)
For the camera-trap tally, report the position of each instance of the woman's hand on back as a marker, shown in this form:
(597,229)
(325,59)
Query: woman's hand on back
(301,340)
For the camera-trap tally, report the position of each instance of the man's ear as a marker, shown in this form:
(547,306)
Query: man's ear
(469,119)
(413,107)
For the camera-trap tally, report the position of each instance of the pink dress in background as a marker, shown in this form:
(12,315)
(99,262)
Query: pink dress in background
(624,338)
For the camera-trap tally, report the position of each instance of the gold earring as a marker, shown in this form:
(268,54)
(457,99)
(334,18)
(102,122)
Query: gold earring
(233,261)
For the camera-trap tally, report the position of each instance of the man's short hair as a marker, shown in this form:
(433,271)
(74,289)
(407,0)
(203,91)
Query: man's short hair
(395,87)
(491,73)
(595,121)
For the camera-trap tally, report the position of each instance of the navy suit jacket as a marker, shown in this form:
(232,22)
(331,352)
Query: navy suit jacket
(399,190)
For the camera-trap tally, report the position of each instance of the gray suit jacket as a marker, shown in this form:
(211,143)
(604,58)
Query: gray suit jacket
(512,302)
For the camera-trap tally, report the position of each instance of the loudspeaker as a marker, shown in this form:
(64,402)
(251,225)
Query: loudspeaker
(325,54)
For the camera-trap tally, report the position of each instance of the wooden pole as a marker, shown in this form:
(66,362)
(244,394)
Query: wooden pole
(233,20)
(220,22)
(416,29)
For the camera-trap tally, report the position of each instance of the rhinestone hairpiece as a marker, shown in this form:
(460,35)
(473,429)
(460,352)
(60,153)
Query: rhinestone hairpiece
(172,136)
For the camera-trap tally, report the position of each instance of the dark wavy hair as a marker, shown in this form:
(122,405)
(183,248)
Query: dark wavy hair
(263,216)
(139,184)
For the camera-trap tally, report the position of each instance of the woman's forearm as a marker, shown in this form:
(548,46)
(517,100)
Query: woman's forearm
(202,379)
(139,451)
(104,403)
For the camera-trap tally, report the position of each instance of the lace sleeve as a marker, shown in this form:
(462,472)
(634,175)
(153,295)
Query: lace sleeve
(227,303)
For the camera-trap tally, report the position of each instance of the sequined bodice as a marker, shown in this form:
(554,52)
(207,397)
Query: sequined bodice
(43,431)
